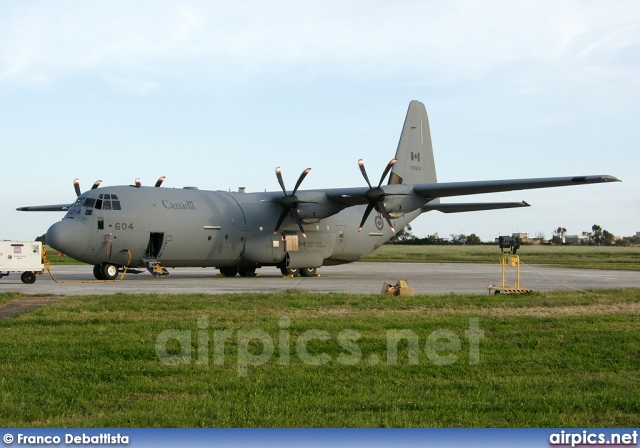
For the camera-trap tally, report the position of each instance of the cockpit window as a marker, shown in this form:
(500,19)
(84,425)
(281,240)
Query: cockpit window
(103,202)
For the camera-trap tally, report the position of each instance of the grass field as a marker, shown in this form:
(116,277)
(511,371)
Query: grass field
(546,359)
(56,258)
(627,258)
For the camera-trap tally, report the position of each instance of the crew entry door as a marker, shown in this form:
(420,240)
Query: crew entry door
(155,246)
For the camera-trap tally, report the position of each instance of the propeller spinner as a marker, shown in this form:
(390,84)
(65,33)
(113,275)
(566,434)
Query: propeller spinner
(376,195)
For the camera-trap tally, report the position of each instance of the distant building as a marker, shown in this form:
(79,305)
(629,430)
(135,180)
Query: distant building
(524,239)
(576,239)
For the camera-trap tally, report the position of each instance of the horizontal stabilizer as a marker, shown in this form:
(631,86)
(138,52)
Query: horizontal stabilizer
(471,207)
(45,208)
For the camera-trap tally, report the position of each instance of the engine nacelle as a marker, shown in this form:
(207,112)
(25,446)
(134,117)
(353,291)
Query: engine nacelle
(300,260)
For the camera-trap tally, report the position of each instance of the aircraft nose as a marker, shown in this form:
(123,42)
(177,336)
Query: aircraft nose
(68,236)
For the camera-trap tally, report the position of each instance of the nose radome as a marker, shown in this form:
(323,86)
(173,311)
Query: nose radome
(69,236)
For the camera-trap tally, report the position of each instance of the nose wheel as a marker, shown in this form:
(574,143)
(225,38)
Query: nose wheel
(105,271)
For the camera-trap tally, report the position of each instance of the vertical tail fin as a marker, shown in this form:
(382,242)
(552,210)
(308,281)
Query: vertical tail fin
(415,163)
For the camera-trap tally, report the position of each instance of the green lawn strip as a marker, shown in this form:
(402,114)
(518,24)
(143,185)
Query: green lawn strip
(56,258)
(624,258)
(91,361)
(593,257)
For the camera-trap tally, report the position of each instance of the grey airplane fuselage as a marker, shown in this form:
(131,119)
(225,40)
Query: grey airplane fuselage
(191,227)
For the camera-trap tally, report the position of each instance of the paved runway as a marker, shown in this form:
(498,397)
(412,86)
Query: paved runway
(360,278)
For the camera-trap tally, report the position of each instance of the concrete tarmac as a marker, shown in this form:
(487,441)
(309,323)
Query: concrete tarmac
(357,278)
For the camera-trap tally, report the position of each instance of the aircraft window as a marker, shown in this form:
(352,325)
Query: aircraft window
(107,196)
(89,202)
(99,203)
(106,205)
(116,205)
(113,196)
(100,196)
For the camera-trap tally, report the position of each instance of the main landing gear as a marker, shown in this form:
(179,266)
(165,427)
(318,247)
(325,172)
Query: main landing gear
(251,272)
(304,272)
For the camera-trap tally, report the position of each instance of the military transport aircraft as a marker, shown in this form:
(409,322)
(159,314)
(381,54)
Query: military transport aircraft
(296,231)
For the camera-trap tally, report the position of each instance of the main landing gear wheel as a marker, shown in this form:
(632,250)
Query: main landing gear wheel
(290,271)
(229,272)
(28,277)
(308,272)
(247,272)
(109,271)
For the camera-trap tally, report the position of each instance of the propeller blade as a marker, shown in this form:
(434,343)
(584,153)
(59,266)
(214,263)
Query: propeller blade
(159,181)
(138,183)
(300,179)
(386,170)
(364,172)
(280,181)
(386,216)
(366,214)
(96,184)
(283,215)
(296,218)
(76,186)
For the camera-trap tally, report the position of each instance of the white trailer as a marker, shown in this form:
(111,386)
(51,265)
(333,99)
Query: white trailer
(21,256)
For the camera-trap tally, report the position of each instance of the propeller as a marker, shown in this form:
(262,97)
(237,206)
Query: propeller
(138,182)
(376,195)
(76,185)
(290,202)
(159,181)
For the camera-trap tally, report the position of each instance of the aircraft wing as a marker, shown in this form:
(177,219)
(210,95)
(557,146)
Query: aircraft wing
(471,207)
(440,190)
(45,208)
(357,196)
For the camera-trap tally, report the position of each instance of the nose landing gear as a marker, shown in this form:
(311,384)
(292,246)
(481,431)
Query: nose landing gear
(106,271)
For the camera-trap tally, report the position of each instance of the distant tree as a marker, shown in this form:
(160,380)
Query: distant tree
(473,239)
(555,239)
(598,236)
(608,238)
(432,239)
(558,235)
(404,235)
(540,237)
(588,236)
(625,242)
(458,239)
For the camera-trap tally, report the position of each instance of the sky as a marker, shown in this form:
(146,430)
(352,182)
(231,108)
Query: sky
(217,94)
